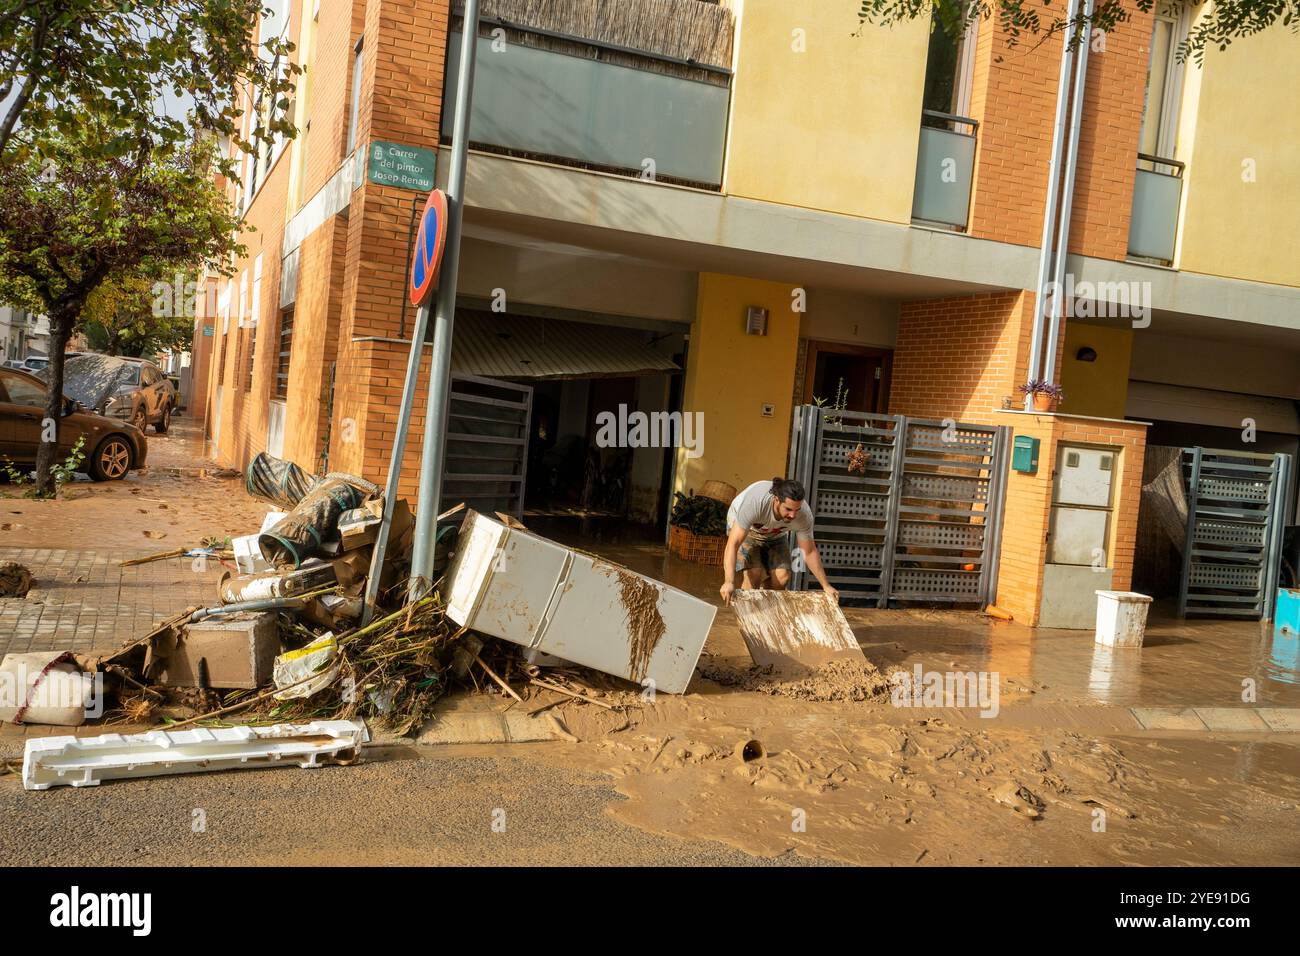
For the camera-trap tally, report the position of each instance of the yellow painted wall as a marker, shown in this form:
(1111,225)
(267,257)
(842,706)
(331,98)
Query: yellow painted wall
(1241,105)
(1097,388)
(730,375)
(835,127)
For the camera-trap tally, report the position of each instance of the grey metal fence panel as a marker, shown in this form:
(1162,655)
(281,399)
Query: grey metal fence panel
(1236,512)
(919,516)
(486,445)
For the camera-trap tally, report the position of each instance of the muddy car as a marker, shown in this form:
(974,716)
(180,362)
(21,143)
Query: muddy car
(131,389)
(112,447)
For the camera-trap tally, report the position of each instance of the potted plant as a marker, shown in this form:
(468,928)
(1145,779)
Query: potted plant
(1044,396)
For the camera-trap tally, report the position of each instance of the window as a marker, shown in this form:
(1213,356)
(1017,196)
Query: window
(355,110)
(949,68)
(23,392)
(252,349)
(282,360)
(1164,87)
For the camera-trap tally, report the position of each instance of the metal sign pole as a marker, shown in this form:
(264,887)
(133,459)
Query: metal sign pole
(435,418)
(395,464)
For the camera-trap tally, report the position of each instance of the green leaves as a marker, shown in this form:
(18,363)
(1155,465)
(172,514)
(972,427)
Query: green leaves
(64,60)
(1224,21)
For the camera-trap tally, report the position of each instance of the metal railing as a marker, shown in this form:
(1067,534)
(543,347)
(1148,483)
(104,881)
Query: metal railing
(945,170)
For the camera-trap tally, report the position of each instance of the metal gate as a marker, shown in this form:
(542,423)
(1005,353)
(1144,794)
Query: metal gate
(1236,510)
(485,463)
(905,509)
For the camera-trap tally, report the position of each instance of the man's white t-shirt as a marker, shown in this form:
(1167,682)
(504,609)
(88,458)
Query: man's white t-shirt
(752,509)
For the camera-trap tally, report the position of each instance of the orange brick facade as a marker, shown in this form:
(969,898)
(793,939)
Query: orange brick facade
(1014,98)
(343,387)
(1029,505)
(958,358)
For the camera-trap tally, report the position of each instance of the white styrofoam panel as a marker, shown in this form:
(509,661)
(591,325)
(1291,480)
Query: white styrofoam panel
(85,761)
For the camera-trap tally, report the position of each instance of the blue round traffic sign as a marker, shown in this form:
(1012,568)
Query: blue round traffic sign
(429,242)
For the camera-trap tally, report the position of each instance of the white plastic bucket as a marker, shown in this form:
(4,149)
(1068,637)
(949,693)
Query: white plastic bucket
(1122,618)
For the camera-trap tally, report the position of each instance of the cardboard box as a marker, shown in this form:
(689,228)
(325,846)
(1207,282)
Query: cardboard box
(235,651)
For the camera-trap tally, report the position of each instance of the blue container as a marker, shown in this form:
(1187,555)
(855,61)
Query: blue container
(1287,615)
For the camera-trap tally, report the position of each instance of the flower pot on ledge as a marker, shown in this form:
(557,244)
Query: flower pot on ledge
(1043,402)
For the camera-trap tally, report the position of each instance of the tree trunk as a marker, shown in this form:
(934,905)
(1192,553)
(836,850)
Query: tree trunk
(60,331)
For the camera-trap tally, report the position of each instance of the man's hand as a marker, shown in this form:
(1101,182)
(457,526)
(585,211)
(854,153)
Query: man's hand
(835,595)
(726,591)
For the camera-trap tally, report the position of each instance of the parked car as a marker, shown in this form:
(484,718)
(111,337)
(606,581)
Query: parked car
(113,447)
(35,363)
(132,389)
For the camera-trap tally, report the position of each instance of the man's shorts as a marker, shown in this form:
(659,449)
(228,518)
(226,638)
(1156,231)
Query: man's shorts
(764,554)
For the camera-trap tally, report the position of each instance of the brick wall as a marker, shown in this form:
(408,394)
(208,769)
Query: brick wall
(958,357)
(1029,502)
(1014,98)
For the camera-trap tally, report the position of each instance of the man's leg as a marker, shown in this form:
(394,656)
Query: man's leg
(777,557)
(749,562)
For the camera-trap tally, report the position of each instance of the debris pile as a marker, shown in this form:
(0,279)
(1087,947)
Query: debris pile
(15,579)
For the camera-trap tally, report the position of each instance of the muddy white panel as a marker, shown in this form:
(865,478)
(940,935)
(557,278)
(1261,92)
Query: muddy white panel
(84,762)
(523,588)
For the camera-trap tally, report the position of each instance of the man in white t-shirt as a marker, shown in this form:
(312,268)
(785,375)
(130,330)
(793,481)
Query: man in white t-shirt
(758,544)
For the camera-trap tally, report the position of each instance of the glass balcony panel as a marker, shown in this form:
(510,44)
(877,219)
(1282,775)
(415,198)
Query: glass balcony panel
(571,108)
(1154,226)
(945,166)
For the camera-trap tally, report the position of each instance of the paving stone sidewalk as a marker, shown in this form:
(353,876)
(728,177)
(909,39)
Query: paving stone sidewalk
(84,600)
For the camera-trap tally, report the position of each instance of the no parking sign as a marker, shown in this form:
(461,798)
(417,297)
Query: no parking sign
(429,242)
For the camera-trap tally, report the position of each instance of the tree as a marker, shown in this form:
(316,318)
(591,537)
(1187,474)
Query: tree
(1227,20)
(74,220)
(124,316)
(61,60)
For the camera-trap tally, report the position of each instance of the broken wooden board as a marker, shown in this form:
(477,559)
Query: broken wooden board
(800,629)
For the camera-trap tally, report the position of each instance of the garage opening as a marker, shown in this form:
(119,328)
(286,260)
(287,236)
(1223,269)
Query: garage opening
(579,477)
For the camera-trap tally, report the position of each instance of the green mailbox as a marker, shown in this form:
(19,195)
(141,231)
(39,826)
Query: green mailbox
(1024,454)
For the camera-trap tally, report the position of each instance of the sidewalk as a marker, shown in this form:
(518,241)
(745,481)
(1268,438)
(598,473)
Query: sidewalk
(84,600)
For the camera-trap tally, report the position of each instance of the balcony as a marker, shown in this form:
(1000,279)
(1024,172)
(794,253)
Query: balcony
(593,95)
(1156,197)
(945,168)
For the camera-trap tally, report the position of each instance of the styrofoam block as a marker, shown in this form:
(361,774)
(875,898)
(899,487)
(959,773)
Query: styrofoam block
(86,761)
(1121,618)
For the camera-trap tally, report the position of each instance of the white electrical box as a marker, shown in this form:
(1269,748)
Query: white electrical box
(1083,476)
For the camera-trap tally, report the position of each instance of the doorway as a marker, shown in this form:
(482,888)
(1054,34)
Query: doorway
(857,374)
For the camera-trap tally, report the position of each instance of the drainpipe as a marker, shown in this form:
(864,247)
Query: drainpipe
(1063,228)
(1049,211)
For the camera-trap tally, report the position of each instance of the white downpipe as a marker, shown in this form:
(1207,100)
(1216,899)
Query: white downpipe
(1067,197)
(1049,211)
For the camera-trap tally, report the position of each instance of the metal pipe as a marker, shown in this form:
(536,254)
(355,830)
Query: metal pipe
(395,460)
(1049,210)
(1067,198)
(435,416)
(266,604)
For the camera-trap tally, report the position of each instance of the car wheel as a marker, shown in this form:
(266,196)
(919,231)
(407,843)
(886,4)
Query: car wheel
(112,459)
(138,418)
(165,422)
